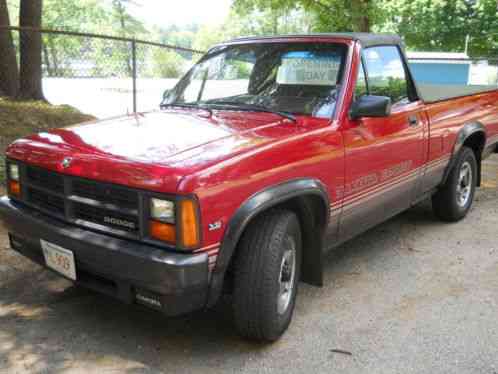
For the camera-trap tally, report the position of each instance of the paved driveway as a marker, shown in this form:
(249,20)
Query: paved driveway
(411,296)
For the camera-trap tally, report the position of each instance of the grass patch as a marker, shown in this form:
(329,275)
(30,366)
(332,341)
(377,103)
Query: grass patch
(22,118)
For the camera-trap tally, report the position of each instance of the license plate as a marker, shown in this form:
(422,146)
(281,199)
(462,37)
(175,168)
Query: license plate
(59,259)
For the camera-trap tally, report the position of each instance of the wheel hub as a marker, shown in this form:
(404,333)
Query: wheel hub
(286,277)
(464,186)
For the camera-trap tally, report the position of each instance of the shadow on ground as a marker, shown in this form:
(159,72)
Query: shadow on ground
(47,324)
(50,324)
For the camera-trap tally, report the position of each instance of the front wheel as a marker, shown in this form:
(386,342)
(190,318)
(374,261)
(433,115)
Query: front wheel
(453,200)
(267,268)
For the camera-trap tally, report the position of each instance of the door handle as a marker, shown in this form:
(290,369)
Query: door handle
(413,121)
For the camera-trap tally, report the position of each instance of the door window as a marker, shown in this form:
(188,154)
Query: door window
(361,83)
(386,73)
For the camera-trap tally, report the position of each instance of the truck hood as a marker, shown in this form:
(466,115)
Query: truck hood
(152,150)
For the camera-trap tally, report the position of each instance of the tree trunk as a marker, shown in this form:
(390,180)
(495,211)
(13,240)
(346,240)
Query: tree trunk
(31,51)
(360,15)
(129,61)
(46,60)
(9,73)
(55,60)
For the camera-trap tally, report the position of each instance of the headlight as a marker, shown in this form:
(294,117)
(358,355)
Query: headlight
(14,172)
(162,210)
(182,231)
(13,185)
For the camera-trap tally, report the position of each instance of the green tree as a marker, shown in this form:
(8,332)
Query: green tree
(71,15)
(433,25)
(208,36)
(253,22)
(443,25)
(181,36)
(128,26)
(106,57)
(167,63)
(329,15)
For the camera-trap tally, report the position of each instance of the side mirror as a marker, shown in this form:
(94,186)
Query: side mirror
(371,106)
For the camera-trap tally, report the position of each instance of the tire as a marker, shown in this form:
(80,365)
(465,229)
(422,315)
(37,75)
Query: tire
(262,309)
(450,203)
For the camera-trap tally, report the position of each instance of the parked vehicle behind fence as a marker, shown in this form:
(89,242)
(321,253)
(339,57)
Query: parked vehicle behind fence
(268,153)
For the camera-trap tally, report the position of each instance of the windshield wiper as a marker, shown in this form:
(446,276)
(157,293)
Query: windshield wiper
(186,105)
(253,107)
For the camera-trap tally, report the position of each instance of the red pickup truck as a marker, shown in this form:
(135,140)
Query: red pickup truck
(267,153)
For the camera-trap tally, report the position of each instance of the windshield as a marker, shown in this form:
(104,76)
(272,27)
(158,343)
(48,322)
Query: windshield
(297,78)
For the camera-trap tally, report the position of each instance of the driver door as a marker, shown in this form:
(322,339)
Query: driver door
(384,156)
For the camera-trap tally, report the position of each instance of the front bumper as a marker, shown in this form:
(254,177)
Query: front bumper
(127,270)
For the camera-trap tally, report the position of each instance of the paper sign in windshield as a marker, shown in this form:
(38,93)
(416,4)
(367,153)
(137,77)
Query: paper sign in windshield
(303,68)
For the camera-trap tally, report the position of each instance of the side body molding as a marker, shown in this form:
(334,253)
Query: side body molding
(260,202)
(465,132)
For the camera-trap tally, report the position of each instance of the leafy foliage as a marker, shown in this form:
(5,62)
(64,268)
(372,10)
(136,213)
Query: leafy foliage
(83,15)
(327,15)
(443,25)
(429,25)
(253,22)
(167,63)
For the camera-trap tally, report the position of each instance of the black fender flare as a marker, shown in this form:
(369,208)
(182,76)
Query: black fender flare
(465,132)
(254,205)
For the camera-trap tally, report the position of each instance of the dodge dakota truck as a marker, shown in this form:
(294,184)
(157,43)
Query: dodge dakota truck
(268,153)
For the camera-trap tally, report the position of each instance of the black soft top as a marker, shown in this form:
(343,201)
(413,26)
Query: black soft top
(429,93)
(366,39)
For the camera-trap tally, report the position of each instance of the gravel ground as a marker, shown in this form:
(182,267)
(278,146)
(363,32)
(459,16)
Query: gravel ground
(413,295)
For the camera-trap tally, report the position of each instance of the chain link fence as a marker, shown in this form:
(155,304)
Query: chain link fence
(105,75)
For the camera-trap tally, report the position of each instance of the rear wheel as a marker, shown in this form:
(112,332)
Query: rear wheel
(454,199)
(266,276)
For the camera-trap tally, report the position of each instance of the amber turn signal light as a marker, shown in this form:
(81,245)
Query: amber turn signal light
(163,231)
(189,224)
(14,188)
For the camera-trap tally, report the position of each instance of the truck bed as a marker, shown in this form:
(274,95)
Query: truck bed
(432,93)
